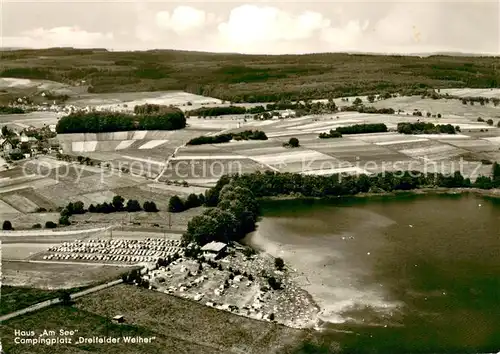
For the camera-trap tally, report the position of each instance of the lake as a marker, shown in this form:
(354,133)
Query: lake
(411,273)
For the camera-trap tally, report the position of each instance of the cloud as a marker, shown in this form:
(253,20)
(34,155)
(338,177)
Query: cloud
(249,24)
(64,36)
(347,37)
(182,20)
(287,27)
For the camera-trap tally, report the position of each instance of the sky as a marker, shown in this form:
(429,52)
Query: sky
(255,27)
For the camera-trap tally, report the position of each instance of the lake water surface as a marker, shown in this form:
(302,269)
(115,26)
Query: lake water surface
(395,274)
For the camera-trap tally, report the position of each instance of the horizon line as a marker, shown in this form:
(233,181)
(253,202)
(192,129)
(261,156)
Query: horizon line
(360,52)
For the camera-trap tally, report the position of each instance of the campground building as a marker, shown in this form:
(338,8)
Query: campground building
(214,250)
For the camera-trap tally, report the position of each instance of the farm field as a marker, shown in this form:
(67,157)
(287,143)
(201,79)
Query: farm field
(473,92)
(178,220)
(146,153)
(127,101)
(179,326)
(16,298)
(23,250)
(44,275)
(142,165)
(451,108)
(36,119)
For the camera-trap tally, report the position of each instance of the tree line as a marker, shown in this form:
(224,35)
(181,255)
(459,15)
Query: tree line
(367,109)
(117,204)
(269,184)
(234,206)
(426,128)
(302,108)
(331,134)
(177,204)
(11,110)
(363,128)
(224,138)
(216,111)
(105,122)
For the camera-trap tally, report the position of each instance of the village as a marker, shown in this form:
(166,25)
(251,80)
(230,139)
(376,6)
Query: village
(29,142)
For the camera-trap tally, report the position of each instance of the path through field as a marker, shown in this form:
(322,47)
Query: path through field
(51,302)
(167,161)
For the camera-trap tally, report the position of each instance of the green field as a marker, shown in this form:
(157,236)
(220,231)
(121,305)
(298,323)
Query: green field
(180,326)
(17,298)
(251,78)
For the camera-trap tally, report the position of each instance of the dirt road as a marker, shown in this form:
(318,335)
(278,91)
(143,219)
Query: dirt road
(51,302)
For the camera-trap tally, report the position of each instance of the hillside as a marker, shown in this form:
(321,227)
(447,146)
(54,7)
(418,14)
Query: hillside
(251,78)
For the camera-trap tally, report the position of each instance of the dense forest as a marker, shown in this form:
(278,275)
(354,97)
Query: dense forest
(235,206)
(105,122)
(250,78)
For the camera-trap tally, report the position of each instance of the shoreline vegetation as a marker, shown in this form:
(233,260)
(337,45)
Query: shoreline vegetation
(252,78)
(234,207)
(493,193)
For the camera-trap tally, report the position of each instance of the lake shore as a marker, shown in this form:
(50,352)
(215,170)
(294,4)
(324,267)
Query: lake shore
(495,193)
(306,248)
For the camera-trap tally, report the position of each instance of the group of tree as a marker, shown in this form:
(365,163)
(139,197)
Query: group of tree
(165,262)
(218,111)
(292,142)
(363,128)
(50,225)
(279,263)
(7,225)
(116,205)
(134,277)
(426,128)
(105,121)
(481,100)
(149,108)
(489,121)
(177,204)
(331,134)
(224,138)
(65,297)
(232,215)
(11,110)
(367,109)
(132,206)
(7,132)
(302,107)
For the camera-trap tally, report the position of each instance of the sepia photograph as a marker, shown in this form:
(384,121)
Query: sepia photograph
(249,177)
